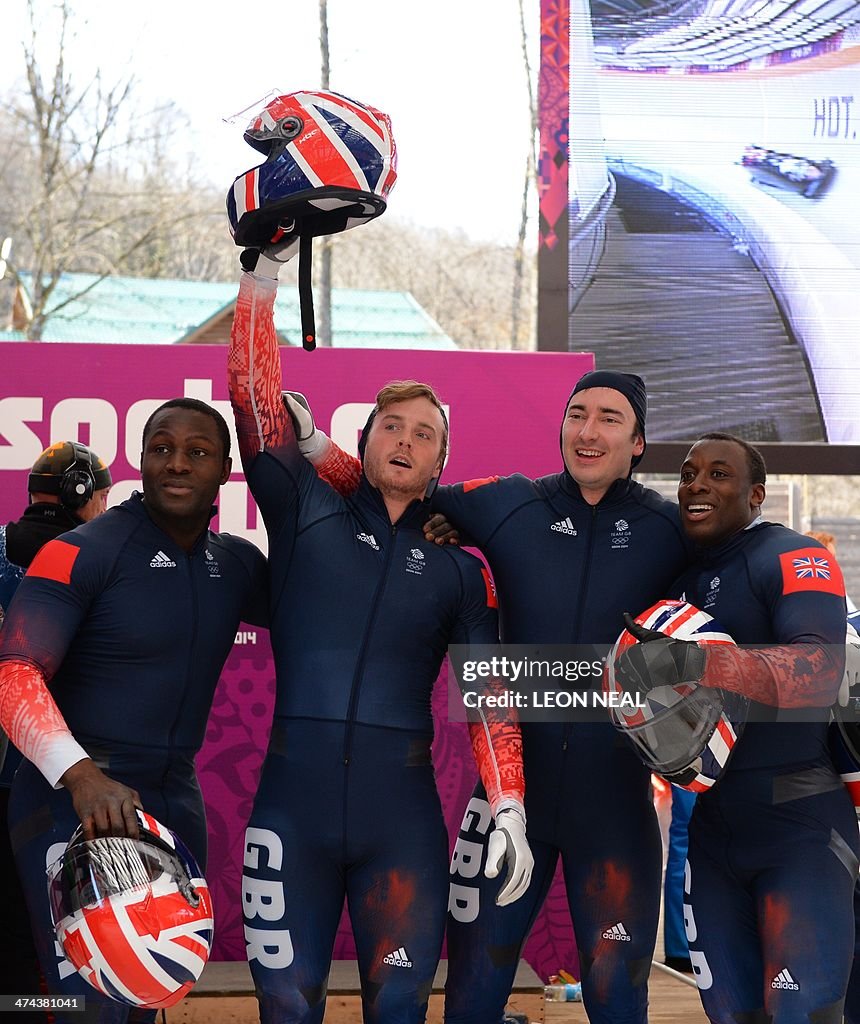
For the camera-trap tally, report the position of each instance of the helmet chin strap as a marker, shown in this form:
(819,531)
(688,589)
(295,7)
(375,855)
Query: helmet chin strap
(306,295)
(431,487)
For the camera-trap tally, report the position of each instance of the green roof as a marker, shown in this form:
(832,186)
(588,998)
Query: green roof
(147,311)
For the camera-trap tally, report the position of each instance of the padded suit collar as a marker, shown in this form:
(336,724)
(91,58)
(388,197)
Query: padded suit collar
(720,553)
(618,491)
(369,499)
(135,505)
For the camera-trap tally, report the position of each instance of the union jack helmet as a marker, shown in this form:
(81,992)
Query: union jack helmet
(134,916)
(330,164)
(684,733)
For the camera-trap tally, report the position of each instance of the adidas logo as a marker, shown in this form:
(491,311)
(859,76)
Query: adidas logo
(618,933)
(564,526)
(368,538)
(161,561)
(785,980)
(399,958)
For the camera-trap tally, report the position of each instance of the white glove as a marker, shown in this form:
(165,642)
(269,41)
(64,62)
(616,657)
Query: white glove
(508,844)
(852,665)
(313,443)
(267,262)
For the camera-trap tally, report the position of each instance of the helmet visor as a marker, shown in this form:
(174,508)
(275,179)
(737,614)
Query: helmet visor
(93,871)
(674,727)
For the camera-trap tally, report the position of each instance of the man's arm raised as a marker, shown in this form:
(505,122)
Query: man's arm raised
(254,361)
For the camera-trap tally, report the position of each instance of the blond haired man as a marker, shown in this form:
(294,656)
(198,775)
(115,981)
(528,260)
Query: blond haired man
(363,609)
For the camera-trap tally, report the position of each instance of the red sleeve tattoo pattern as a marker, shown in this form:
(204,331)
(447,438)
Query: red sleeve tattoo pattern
(341,471)
(795,676)
(254,371)
(498,748)
(32,720)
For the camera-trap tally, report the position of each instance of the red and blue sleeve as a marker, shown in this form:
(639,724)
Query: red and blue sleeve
(254,373)
(805,592)
(340,470)
(43,619)
(495,736)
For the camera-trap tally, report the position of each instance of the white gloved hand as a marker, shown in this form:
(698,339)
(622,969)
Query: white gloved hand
(852,665)
(508,844)
(267,262)
(313,443)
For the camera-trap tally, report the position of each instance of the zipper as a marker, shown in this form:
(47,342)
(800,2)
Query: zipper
(189,565)
(362,654)
(583,588)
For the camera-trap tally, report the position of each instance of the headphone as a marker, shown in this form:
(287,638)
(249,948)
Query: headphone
(76,485)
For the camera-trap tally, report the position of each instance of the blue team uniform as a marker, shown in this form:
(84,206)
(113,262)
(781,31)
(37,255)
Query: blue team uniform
(565,572)
(362,614)
(347,803)
(773,845)
(132,664)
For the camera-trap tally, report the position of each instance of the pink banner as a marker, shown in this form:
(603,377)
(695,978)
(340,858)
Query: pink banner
(505,410)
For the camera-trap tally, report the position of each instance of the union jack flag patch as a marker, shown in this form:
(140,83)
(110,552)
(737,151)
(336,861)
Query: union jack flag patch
(811,569)
(806,568)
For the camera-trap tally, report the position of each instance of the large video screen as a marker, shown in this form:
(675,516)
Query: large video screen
(713,208)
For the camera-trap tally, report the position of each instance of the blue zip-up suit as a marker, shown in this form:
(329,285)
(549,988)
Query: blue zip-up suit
(565,572)
(773,845)
(131,632)
(362,613)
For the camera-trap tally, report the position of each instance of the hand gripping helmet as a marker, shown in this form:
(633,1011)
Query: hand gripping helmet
(134,916)
(684,733)
(330,164)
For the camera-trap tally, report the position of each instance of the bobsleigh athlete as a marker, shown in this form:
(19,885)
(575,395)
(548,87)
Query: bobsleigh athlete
(773,848)
(109,657)
(363,609)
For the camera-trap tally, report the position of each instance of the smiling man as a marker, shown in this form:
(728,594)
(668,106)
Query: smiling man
(601,436)
(109,658)
(773,846)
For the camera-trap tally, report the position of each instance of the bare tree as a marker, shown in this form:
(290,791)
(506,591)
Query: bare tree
(91,190)
(529,184)
(89,184)
(464,285)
